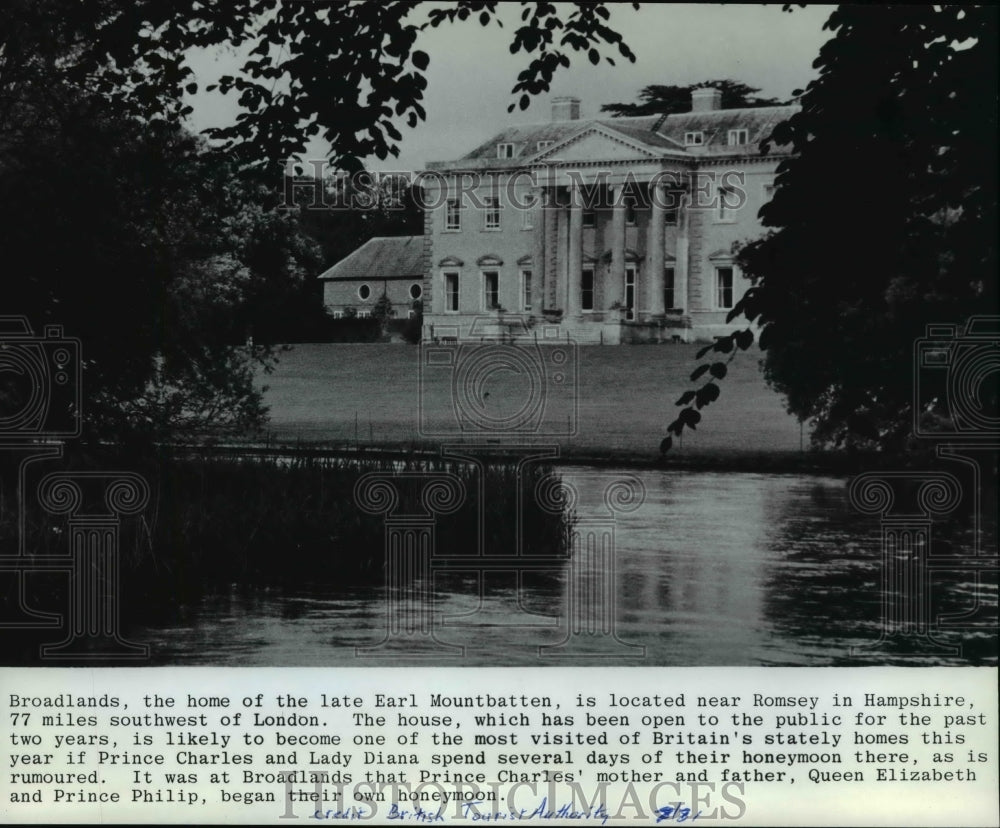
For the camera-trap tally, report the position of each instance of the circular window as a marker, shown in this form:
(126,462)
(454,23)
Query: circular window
(364,292)
(416,291)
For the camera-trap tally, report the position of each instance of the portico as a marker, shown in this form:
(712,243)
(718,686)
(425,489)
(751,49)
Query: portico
(601,246)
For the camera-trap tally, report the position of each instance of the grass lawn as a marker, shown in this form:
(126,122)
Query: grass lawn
(624,398)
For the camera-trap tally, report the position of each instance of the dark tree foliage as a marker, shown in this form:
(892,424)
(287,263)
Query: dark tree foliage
(340,71)
(883,221)
(343,212)
(671,100)
(154,255)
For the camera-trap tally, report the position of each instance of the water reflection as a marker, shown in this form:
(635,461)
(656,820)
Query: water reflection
(712,569)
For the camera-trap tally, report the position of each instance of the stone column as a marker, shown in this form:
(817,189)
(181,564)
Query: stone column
(682,255)
(538,274)
(562,240)
(654,252)
(616,276)
(574,254)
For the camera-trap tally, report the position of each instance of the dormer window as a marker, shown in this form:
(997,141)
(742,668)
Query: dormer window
(694,139)
(543,145)
(505,150)
(737,137)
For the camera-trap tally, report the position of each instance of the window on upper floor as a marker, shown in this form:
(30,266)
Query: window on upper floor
(694,139)
(505,150)
(528,213)
(630,211)
(737,137)
(543,145)
(491,214)
(453,215)
(728,201)
(588,218)
(671,205)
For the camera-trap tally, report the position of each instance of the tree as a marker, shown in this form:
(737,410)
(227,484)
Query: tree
(671,100)
(382,311)
(337,71)
(882,222)
(343,212)
(146,248)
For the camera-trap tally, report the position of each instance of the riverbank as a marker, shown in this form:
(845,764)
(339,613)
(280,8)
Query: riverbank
(219,521)
(721,460)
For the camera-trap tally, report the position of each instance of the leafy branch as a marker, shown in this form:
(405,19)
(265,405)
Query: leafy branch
(695,399)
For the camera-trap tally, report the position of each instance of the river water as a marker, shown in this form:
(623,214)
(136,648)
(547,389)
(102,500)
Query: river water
(712,569)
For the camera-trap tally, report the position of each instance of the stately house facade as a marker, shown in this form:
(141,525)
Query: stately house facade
(602,231)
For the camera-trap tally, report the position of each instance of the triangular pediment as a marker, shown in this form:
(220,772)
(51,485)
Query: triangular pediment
(595,143)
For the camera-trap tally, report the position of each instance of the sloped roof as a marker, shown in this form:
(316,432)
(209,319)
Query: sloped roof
(652,131)
(384,257)
(758,121)
(642,129)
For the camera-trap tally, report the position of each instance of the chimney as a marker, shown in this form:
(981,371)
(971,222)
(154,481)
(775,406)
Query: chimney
(706,99)
(566,109)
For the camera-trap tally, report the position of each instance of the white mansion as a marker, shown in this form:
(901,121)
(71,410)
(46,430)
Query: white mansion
(611,230)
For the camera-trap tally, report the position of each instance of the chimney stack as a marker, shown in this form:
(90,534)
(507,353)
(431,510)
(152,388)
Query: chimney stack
(566,109)
(706,99)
